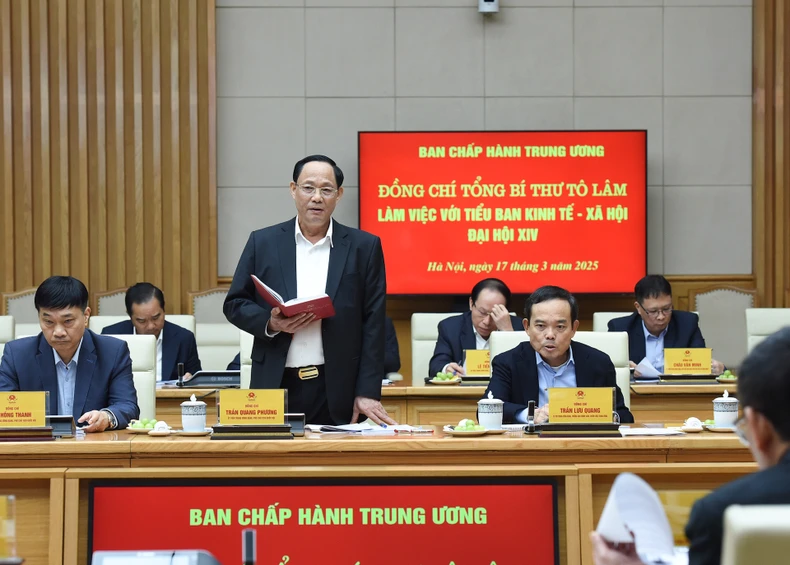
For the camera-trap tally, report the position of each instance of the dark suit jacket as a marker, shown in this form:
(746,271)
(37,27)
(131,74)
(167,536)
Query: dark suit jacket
(178,346)
(705,528)
(104,374)
(353,337)
(391,353)
(514,378)
(682,331)
(391,350)
(455,335)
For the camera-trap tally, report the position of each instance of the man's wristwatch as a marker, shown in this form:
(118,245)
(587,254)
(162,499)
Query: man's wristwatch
(111,416)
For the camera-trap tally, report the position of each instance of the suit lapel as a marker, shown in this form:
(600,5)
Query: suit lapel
(468,340)
(85,367)
(581,367)
(337,258)
(49,375)
(168,351)
(529,366)
(636,340)
(286,249)
(671,337)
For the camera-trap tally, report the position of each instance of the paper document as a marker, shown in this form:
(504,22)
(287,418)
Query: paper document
(366,428)
(646,370)
(625,432)
(634,507)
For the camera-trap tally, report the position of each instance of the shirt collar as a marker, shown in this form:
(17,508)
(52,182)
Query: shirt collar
(648,335)
(328,237)
(570,361)
(477,334)
(74,359)
(158,340)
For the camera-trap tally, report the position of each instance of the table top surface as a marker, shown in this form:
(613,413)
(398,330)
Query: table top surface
(476,392)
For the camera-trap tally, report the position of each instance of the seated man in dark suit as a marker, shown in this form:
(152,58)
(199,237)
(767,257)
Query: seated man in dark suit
(764,393)
(87,375)
(145,305)
(391,351)
(655,325)
(471,330)
(550,359)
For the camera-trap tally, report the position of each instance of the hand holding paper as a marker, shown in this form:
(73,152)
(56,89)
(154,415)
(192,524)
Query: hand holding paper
(645,370)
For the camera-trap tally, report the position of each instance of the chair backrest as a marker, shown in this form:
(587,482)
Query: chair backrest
(424,333)
(98,323)
(217,345)
(110,302)
(499,342)
(142,350)
(206,305)
(6,329)
(756,534)
(186,321)
(762,322)
(601,319)
(22,307)
(722,320)
(245,348)
(614,344)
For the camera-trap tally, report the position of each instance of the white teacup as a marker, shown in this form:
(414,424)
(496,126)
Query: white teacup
(193,416)
(725,411)
(489,413)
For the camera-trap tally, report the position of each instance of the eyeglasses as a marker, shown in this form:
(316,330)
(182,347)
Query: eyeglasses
(310,191)
(741,430)
(666,311)
(483,313)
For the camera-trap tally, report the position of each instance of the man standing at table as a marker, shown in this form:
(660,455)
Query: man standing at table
(87,375)
(764,393)
(551,359)
(656,325)
(332,368)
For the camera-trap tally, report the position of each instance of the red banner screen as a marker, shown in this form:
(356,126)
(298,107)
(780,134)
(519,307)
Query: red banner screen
(343,524)
(531,208)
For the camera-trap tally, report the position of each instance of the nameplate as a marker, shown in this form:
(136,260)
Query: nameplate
(477,362)
(679,361)
(580,405)
(252,407)
(23,409)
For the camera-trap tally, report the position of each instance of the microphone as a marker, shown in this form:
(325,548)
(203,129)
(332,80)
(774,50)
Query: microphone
(248,547)
(180,382)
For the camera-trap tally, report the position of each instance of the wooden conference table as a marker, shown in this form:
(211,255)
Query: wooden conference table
(51,479)
(440,405)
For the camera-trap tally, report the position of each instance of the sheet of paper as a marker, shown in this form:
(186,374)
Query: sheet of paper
(634,507)
(625,432)
(647,370)
(363,427)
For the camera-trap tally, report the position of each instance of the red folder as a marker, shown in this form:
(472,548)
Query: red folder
(321,306)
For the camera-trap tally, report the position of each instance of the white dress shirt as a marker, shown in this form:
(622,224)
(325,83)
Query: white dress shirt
(158,353)
(654,348)
(312,266)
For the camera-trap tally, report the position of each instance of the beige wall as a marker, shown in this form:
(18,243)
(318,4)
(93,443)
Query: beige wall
(299,77)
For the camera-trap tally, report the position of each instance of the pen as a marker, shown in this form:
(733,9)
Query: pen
(383,425)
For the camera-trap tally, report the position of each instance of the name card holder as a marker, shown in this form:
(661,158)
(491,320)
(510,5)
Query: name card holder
(477,363)
(691,361)
(252,414)
(23,416)
(581,412)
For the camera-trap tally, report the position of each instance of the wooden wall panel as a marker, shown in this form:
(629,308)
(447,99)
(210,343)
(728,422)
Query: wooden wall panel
(107,155)
(771,152)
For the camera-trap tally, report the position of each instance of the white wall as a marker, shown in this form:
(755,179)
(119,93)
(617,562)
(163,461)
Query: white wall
(302,77)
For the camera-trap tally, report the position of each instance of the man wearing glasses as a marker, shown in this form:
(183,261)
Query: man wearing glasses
(332,368)
(764,393)
(471,330)
(655,325)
